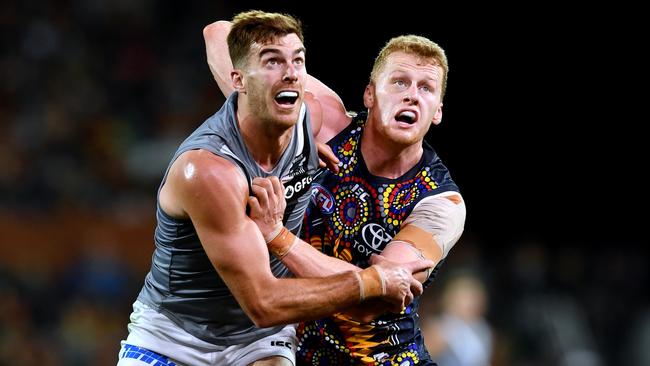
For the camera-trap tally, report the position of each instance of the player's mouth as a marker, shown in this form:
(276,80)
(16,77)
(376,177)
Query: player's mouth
(287,98)
(407,116)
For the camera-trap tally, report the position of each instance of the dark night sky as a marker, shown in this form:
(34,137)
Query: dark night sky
(537,131)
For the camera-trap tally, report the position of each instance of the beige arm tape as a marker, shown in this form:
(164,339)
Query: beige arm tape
(443,216)
(372,282)
(282,243)
(421,240)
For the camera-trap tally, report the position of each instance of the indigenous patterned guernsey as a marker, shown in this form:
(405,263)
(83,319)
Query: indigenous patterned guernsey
(353,215)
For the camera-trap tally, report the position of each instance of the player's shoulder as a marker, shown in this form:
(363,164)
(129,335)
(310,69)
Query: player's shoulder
(198,169)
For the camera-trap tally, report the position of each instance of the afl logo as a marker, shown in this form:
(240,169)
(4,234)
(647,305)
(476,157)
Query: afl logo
(375,236)
(322,198)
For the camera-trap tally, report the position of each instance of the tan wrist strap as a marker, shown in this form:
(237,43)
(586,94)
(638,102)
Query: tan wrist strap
(371,283)
(282,244)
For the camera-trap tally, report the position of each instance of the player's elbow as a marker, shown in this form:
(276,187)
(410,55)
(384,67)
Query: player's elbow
(218,29)
(263,313)
(265,322)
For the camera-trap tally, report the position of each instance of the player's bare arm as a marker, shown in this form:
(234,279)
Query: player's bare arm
(213,193)
(217,54)
(303,259)
(430,231)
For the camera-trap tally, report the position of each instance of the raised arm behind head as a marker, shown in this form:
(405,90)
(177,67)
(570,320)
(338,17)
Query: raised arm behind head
(226,51)
(216,49)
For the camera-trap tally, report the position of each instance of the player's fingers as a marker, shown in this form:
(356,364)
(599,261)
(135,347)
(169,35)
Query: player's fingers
(254,204)
(418,265)
(327,157)
(262,195)
(267,184)
(416,287)
(407,300)
(276,185)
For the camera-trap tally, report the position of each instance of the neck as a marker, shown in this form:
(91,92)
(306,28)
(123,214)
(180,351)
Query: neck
(264,140)
(385,158)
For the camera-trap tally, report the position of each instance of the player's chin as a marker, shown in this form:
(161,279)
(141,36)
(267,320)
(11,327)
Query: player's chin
(402,139)
(288,118)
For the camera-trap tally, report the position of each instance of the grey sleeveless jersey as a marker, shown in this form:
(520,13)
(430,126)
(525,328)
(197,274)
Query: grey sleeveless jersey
(182,283)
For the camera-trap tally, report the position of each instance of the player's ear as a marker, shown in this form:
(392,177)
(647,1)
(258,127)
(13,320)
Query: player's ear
(238,81)
(437,117)
(369,96)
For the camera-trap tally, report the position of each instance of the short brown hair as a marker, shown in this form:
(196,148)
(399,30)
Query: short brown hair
(258,26)
(413,45)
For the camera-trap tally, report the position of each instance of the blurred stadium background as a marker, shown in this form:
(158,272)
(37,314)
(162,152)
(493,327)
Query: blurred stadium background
(96,95)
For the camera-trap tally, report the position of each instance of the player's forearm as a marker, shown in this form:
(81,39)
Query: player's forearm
(302,299)
(306,261)
(401,252)
(303,259)
(216,49)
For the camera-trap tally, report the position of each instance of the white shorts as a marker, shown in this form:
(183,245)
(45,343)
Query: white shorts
(155,340)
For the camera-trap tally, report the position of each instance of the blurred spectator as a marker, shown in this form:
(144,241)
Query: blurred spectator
(460,334)
(637,351)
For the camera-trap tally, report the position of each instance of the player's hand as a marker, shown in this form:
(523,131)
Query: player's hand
(401,286)
(267,205)
(327,158)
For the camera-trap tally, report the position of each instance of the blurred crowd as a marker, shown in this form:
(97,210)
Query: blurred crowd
(93,99)
(96,95)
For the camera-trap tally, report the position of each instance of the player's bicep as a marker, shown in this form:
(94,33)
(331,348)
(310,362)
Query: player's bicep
(214,195)
(240,257)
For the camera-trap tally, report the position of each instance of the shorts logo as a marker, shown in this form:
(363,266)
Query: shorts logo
(322,198)
(281,344)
